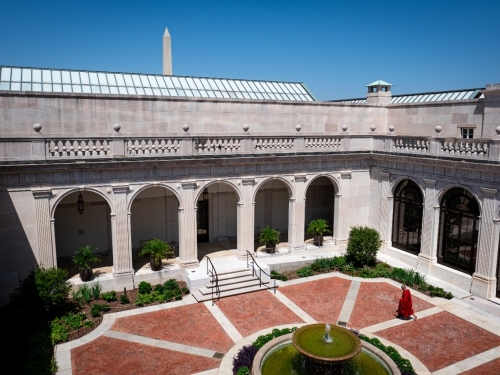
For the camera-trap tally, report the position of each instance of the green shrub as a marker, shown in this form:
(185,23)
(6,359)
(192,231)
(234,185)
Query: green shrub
(98,308)
(171,284)
(362,246)
(144,299)
(243,371)
(305,272)
(404,365)
(88,323)
(85,292)
(52,286)
(278,276)
(124,299)
(74,321)
(109,296)
(59,332)
(145,287)
(185,290)
(95,290)
(264,339)
(158,288)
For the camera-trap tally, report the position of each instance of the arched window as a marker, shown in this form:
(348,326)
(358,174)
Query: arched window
(458,229)
(407,218)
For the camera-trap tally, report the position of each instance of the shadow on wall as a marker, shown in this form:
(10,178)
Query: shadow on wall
(16,255)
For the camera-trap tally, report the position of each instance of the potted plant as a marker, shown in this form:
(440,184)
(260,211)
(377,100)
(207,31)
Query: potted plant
(82,259)
(318,228)
(157,250)
(270,237)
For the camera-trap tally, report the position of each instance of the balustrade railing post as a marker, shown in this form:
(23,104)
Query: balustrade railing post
(494,150)
(435,146)
(117,147)
(187,146)
(300,145)
(38,148)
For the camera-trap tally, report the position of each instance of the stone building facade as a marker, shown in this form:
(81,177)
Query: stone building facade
(143,164)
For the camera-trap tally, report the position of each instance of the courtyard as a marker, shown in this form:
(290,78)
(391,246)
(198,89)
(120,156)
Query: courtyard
(458,336)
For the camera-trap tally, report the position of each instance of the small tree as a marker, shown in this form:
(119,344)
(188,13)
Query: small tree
(84,256)
(53,287)
(157,250)
(362,246)
(269,237)
(318,227)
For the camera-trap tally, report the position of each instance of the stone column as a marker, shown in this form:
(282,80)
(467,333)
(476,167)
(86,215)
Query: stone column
(222,232)
(187,226)
(245,217)
(46,255)
(345,178)
(386,205)
(430,219)
(296,214)
(336,217)
(123,271)
(172,225)
(484,277)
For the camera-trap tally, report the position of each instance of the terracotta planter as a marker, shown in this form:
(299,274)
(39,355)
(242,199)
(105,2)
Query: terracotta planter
(86,274)
(318,240)
(154,267)
(270,247)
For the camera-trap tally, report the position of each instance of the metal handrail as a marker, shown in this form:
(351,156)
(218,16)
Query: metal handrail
(260,271)
(214,279)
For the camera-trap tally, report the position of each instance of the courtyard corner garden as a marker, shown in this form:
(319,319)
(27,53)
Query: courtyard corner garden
(44,311)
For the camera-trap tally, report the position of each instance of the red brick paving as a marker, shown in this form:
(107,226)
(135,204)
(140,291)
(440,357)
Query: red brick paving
(108,356)
(191,325)
(321,299)
(441,339)
(489,368)
(252,312)
(377,303)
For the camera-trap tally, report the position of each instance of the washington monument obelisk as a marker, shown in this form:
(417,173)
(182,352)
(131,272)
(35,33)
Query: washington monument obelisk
(167,54)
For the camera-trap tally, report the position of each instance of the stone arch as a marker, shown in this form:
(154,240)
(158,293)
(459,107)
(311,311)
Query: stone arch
(147,186)
(77,189)
(397,181)
(334,181)
(442,192)
(289,186)
(218,181)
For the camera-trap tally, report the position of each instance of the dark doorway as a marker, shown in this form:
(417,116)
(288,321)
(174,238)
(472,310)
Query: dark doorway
(202,221)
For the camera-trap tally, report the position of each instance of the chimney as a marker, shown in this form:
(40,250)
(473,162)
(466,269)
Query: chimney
(167,54)
(379,93)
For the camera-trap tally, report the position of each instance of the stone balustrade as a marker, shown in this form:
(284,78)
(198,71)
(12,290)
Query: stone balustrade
(36,148)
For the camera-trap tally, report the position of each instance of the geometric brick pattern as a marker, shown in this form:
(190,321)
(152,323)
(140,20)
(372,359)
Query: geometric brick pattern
(321,299)
(191,325)
(252,312)
(441,339)
(378,302)
(109,356)
(489,368)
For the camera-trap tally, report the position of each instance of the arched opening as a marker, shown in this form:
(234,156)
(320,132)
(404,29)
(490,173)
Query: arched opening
(458,230)
(80,225)
(320,201)
(271,209)
(407,217)
(154,214)
(216,219)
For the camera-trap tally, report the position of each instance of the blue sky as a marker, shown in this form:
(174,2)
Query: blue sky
(335,47)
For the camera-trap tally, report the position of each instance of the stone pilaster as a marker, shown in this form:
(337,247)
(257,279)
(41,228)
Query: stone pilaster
(46,256)
(222,218)
(296,214)
(344,227)
(428,247)
(123,271)
(385,208)
(484,277)
(245,217)
(187,226)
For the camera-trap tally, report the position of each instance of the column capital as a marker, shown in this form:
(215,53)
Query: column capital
(489,192)
(300,177)
(248,181)
(429,182)
(120,189)
(345,175)
(41,193)
(191,184)
(385,176)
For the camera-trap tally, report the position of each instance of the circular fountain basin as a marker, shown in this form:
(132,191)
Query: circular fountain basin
(309,340)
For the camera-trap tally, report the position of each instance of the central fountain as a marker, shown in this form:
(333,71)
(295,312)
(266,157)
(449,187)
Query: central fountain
(321,349)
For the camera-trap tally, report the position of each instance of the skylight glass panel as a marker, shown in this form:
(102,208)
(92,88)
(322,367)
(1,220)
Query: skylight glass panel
(46,87)
(285,90)
(278,87)
(119,80)
(206,84)
(233,85)
(95,89)
(128,80)
(66,88)
(148,91)
(191,83)
(157,92)
(468,95)
(161,83)
(66,79)
(219,84)
(289,87)
(27,75)
(461,94)
(56,77)
(46,77)
(113,90)
(189,93)
(247,86)
(102,79)
(198,84)
(218,94)
(15,86)
(5,74)
(434,97)
(246,95)
(26,86)
(164,92)
(75,78)
(454,96)
(104,89)
(211,94)
(225,95)
(259,86)
(203,94)
(252,95)
(302,89)
(172,92)
(137,81)
(131,89)
(86,89)
(145,81)
(239,95)
(37,87)
(169,82)
(93,79)
(226,85)
(152,81)
(265,95)
(16,75)
(84,76)
(77,88)
(122,90)
(447,96)
(176,82)
(272,96)
(184,83)
(56,87)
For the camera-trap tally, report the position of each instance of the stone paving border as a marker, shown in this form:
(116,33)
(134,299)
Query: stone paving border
(457,307)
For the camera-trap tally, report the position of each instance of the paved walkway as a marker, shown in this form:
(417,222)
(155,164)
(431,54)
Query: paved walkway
(185,337)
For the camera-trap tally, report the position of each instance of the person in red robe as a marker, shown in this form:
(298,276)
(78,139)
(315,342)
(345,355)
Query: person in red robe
(405,308)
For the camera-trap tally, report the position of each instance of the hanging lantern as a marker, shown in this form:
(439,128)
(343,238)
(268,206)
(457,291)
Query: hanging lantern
(205,195)
(80,204)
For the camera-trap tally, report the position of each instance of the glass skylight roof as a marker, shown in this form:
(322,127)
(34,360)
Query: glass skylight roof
(71,81)
(426,97)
